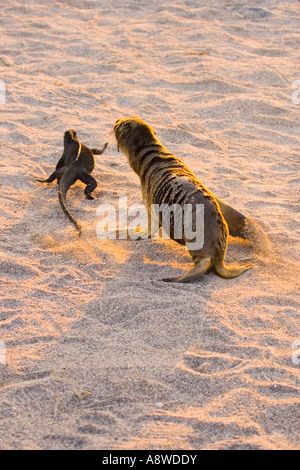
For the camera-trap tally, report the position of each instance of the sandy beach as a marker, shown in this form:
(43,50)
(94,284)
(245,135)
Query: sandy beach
(96,352)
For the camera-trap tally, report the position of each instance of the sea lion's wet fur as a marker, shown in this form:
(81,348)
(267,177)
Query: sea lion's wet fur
(165,179)
(76,163)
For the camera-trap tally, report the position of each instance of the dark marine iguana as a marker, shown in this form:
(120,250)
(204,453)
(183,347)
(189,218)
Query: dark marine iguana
(77,163)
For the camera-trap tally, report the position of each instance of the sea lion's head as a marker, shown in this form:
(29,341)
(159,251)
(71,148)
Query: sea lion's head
(132,135)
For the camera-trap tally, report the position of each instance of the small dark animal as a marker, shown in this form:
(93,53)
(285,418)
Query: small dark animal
(77,163)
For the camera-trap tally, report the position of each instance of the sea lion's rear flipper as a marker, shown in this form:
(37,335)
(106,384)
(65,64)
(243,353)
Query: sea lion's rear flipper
(235,220)
(233,269)
(90,182)
(200,267)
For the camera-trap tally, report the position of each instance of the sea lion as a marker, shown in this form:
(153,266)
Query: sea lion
(76,163)
(166,180)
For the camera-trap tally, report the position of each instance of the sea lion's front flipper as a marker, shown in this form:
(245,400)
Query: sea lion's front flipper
(235,220)
(127,234)
(140,233)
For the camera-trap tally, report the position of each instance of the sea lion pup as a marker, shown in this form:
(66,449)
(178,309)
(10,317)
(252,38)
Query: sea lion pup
(76,163)
(166,180)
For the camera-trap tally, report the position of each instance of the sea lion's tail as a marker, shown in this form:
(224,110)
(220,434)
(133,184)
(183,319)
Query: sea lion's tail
(64,185)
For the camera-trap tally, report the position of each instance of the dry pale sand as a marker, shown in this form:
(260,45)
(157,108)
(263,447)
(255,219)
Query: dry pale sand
(99,353)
